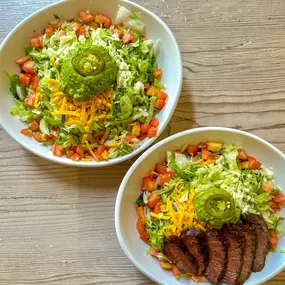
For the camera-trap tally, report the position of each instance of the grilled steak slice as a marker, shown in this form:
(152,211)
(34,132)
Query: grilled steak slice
(217,256)
(234,241)
(193,241)
(249,252)
(262,234)
(177,253)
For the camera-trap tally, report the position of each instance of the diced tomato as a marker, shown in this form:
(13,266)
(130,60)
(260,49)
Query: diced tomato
(101,149)
(49,31)
(58,150)
(275,206)
(140,226)
(153,200)
(162,95)
(148,184)
(165,264)
(104,20)
(22,60)
(192,149)
(267,188)
(129,137)
(30,101)
(80,31)
(37,136)
(144,236)
(44,137)
(162,169)
(156,208)
(145,129)
(273,240)
(205,153)
(119,32)
(175,271)
(69,153)
(25,79)
(35,82)
(75,26)
(159,104)
(242,155)
(152,91)
(154,252)
(152,132)
(26,132)
(37,42)
(128,38)
(86,17)
(259,164)
(34,125)
(140,212)
(202,145)
(29,66)
(279,198)
(75,157)
(153,174)
(157,73)
(146,86)
(252,162)
(162,179)
(80,151)
(154,122)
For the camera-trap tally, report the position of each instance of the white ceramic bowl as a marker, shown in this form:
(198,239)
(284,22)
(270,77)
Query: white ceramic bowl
(169,60)
(125,213)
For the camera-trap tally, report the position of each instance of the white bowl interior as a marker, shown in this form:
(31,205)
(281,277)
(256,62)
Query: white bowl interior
(125,215)
(13,47)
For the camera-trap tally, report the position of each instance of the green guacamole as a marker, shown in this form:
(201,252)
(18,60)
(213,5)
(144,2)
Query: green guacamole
(216,207)
(87,71)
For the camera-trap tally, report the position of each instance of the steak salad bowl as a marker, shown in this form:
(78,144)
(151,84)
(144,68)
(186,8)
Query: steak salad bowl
(89,83)
(205,205)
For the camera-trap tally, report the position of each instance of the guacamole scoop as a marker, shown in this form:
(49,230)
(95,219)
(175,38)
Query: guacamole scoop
(216,207)
(86,71)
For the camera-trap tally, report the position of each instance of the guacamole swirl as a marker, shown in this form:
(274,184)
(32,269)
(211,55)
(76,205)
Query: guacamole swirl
(87,71)
(216,207)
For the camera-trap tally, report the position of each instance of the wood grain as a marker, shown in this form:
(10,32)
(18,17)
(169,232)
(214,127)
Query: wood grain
(57,222)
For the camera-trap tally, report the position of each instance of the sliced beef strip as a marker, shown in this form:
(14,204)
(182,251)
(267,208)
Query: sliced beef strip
(193,239)
(217,256)
(234,241)
(249,252)
(262,242)
(177,253)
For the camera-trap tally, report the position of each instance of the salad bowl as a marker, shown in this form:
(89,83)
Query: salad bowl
(126,216)
(168,59)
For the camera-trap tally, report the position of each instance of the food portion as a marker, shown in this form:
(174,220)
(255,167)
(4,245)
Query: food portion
(90,88)
(210,211)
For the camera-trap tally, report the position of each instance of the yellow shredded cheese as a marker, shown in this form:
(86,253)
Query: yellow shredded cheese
(91,151)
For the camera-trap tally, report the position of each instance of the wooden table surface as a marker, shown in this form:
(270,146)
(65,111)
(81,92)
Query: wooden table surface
(57,222)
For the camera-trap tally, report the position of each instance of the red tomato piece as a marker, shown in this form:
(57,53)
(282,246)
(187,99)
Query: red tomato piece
(34,125)
(140,212)
(144,236)
(75,157)
(58,150)
(80,151)
(162,169)
(37,42)
(145,129)
(159,104)
(279,198)
(252,162)
(25,79)
(48,32)
(86,17)
(154,122)
(205,154)
(69,153)
(162,95)
(35,82)
(29,66)
(104,20)
(101,149)
(267,188)
(37,136)
(26,132)
(22,60)
(275,206)
(157,73)
(140,226)
(128,38)
(156,208)
(162,179)
(152,132)
(30,101)
(273,240)
(148,184)
(192,149)
(75,26)
(119,32)
(153,200)
(146,86)
(80,31)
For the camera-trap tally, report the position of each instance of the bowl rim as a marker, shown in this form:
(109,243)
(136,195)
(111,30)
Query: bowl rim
(145,144)
(145,155)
